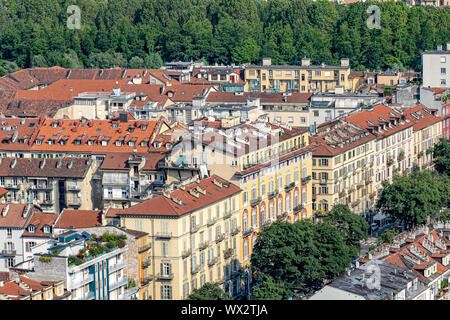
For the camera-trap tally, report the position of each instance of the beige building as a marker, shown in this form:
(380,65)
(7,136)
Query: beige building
(194,237)
(53,184)
(304,78)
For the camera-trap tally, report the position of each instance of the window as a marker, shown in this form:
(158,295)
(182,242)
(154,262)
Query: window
(443,82)
(443,71)
(443,59)
(9,232)
(166,292)
(316,113)
(254,218)
(165,248)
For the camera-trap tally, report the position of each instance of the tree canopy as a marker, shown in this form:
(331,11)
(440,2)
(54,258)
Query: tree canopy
(411,198)
(209,291)
(300,256)
(441,155)
(35,33)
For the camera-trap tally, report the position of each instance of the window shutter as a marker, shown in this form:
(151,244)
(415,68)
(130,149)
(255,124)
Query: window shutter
(162,292)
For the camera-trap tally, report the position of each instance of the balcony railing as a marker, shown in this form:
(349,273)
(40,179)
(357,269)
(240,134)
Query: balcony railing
(164,235)
(8,252)
(247,232)
(146,263)
(195,228)
(168,276)
(119,265)
(72,187)
(211,221)
(121,282)
(212,261)
(46,202)
(272,194)
(227,214)
(289,187)
(255,202)
(195,269)
(220,237)
(186,253)
(306,180)
(73,202)
(298,208)
(82,282)
(283,215)
(144,248)
(12,186)
(203,245)
(235,231)
(146,280)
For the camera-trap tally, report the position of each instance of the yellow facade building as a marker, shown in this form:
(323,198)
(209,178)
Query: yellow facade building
(290,78)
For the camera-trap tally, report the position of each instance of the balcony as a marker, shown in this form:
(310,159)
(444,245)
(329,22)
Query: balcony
(195,228)
(117,266)
(289,187)
(8,253)
(145,263)
(82,282)
(306,180)
(46,202)
(255,202)
(146,280)
(144,248)
(74,202)
(211,221)
(272,194)
(283,215)
(203,245)
(167,276)
(247,232)
(228,253)
(12,186)
(186,253)
(266,223)
(119,283)
(298,208)
(164,235)
(41,186)
(212,261)
(235,231)
(220,237)
(227,214)
(73,187)
(195,269)
(354,204)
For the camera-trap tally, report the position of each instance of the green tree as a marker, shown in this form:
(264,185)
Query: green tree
(246,52)
(441,155)
(209,291)
(411,198)
(267,288)
(38,61)
(136,63)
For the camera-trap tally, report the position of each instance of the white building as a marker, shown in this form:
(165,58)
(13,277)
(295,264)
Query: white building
(436,68)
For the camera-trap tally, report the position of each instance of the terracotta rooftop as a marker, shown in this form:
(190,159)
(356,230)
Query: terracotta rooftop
(182,201)
(78,219)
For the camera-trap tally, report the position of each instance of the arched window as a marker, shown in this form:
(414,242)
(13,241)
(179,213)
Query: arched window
(280,206)
(263,215)
(254,217)
(245,249)
(271,211)
(288,202)
(245,221)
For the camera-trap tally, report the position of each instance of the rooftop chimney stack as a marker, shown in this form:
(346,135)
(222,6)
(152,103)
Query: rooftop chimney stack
(448,46)
(267,61)
(306,62)
(345,62)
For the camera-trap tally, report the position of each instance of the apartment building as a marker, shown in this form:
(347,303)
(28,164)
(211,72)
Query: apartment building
(424,251)
(194,236)
(375,280)
(343,168)
(20,287)
(13,220)
(290,78)
(427,130)
(436,68)
(270,163)
(91,268)
(53,184)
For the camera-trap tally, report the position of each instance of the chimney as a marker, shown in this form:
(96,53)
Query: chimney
(448,46)
(439,48)
(42,164)
(267,61)
(306,62)
(5,210)
(13,163)
(345,62)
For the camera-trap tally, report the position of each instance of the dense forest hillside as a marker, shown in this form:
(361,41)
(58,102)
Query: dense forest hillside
(144,33)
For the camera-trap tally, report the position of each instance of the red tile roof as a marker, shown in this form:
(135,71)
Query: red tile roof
(163,206)
(79,219)
(15,215)
(39,220)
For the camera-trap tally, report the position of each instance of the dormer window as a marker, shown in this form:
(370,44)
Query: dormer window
(90,142)
(31,228)
(115,125)
(118,143)
(38,142)
(104,143)
(131,143)
(143,144)
(144,127)
(46,229)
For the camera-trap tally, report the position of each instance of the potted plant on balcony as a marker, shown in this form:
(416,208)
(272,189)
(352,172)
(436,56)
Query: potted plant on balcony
(228,253)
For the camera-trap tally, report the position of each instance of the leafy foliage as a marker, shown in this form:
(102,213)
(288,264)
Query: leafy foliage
(209,291)
(411,198)
(304,254)
(441,155)
(222,31)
